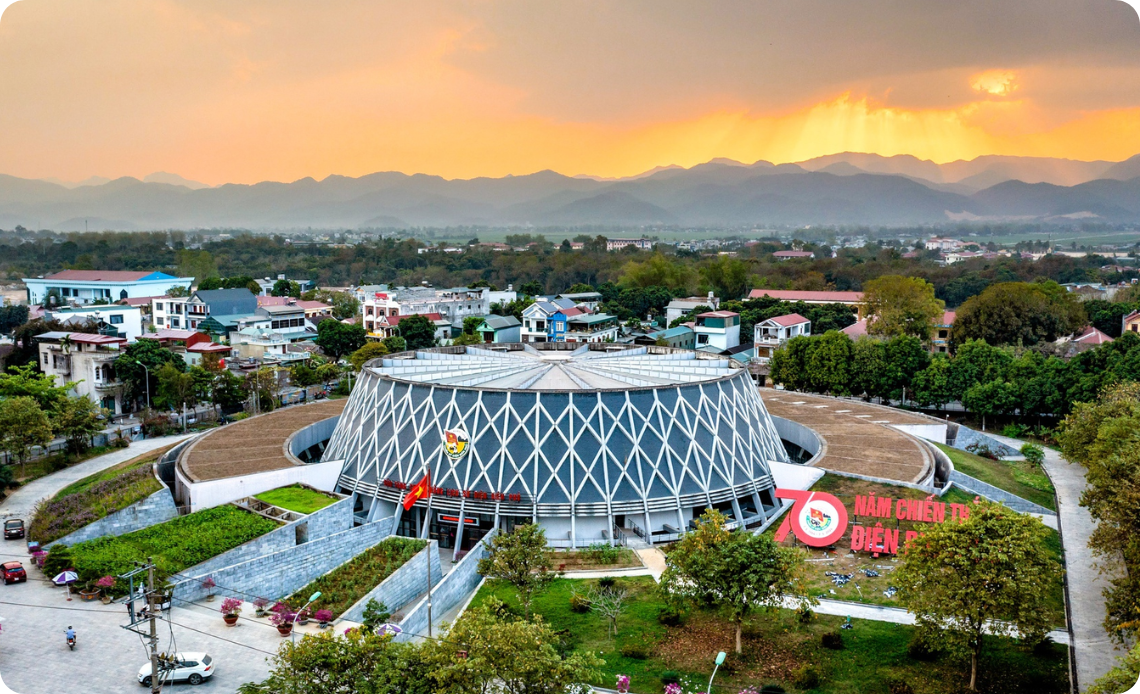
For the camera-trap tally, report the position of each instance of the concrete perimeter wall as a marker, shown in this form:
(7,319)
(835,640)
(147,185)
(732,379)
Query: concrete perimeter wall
(284,572)
(404,585)
(966,437)
(988,491)
(800,435)
(451,592)
(210,493)
(156,508)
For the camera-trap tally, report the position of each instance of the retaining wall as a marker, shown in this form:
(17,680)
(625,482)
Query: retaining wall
(988,491)
(335,518)
(281,573)
(156,508)
(451,592)
(404,585)
(966,437)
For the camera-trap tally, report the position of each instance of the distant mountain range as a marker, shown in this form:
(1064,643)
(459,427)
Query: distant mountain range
(847,188)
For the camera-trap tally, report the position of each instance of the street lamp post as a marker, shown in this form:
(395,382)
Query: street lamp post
(147,382)
(719,662)
(312,598)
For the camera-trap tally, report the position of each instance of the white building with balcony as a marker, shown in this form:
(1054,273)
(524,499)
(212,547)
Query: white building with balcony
(769,335)
(89,286)
(718,329)
(125,321)
(84,363)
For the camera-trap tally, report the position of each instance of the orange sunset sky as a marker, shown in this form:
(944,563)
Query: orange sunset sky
(248,90)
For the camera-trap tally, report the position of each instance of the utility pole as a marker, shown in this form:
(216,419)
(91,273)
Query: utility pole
(151,606)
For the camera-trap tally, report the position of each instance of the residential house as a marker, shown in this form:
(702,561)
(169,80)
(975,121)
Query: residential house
(191,344)
(681,337)
(289,320)
(84,363)
(936,243)
(589,300)
(500,329)
(940,341)
(536,317)
(389,326)
(88,286)
(267,345)
(856,330)
(852,299)
(618,244)
(453,304)
(792,255)
(718,329)
(1130,323)
(769,335)
(187,313)
(113,319)
(315,311)
(266,284)
(681,307)
(1085,340)
(590,327)
(223,327)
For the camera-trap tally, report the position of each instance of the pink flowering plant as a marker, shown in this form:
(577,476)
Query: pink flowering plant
(672,688)
(623,684)
(231,606)
(323,616)
(106,582)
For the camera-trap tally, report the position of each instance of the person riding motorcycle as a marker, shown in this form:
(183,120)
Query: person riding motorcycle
(70,634)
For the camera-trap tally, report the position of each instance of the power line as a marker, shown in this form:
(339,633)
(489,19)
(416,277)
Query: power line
(220,638)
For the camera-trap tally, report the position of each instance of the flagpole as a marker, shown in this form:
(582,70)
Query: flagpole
(428,521)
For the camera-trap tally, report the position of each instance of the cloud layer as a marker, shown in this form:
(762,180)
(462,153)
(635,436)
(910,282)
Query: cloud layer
(280,89)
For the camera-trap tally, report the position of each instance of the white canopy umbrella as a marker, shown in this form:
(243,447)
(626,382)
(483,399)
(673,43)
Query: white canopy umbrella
(65,577)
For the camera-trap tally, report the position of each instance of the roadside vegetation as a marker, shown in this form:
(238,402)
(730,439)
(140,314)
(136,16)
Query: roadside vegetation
(96,496)
(1019,477)
(342,587)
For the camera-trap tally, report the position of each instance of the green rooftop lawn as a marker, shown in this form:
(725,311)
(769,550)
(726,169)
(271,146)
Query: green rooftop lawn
(775,646)
(1014,476)
(93,497)
(297,498)
(174,545)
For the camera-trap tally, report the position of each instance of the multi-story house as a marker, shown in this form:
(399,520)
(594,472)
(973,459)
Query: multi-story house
(618,244)
(114,319)
(89,286)
(940,340)
(576,325)
(681,307)
(718,329)
(84,363)
(536,317)
(290,321)
(769,335)
(188,313)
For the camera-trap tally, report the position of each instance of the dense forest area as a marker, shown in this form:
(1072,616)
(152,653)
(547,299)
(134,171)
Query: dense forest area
(557,267)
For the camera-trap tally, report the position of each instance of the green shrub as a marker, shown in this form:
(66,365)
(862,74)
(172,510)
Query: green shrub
(345,585)
(58,559)
(1013,431)
(919,649)
(579,603)
(670,616)
(174,545)
(805,614)
(601,553)
(670,677)
(375,614)
(832,640)
(772,689)
(238,416)
(606,582)
(806,677)
(635,650)
(1034,455)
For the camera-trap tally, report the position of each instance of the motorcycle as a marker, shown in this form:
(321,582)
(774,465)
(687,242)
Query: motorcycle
(71,641)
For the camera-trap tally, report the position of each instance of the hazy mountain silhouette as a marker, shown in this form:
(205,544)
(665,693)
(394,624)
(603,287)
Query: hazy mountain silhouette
(847,188)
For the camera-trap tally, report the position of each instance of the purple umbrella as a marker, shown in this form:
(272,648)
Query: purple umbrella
(388,629)
(65,578)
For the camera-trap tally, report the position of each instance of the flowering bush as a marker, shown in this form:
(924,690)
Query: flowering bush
(323,616)
(106,582)
(231,606)
(282,618)
(623,683)
(209,584)
(63,515)
(672,688)
(260,604)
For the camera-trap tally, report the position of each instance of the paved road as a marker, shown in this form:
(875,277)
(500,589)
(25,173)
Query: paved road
(34,656)
(1095,652)
(21,502)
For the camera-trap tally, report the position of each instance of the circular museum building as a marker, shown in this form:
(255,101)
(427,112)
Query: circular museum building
(583,439)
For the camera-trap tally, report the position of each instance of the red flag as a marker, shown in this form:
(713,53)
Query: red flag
(422,490)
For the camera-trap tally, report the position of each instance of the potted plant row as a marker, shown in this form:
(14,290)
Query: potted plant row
(231,608)
(323,618)
(282,618)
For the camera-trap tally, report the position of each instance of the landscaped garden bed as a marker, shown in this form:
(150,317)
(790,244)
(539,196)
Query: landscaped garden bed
(876,590)
(1017,477)
(342,587)
(96,496)
(594,558)
(174,545)
(297,498)
(778,649)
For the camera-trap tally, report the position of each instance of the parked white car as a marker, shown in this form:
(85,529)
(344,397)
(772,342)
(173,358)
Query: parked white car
(194,668)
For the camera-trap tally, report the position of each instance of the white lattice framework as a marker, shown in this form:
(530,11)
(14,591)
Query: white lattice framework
(584,433)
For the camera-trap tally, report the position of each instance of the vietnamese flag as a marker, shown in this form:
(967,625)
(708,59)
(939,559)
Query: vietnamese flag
(422,490)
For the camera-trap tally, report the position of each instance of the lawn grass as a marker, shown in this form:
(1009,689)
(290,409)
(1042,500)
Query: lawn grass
(872,590)
(776,645)
(345,585)
(93,497)
(297,498)
(174,545)
(1014,476)
(41,467)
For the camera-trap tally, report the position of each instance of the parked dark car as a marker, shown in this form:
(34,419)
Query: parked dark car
(13,529)
(13,572)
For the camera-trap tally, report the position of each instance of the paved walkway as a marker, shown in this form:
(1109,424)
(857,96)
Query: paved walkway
(21,502)
(34,656)
(1095,652)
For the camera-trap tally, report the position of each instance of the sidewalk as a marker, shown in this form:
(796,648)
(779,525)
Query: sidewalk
(23,500)
(1095,652)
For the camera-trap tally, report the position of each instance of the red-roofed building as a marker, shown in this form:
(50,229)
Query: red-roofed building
(791,255)
(189,343)
(852,299)
(940,341)
(84,362)
(314,310)
(769,334)
(388,326)
(856,330)
(89,286)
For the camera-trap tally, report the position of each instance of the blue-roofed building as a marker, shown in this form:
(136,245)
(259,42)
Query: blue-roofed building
(680,337)
(77,287)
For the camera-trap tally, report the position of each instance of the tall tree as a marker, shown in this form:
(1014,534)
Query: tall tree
(338,339)
(1018,313)
(727,276)
(990,574)
(520,558)
(23,425)
(129,367)
(371,350)
(899,305)
(26,381)
(77,419)
(829,363)
(736,572)
(418,332)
